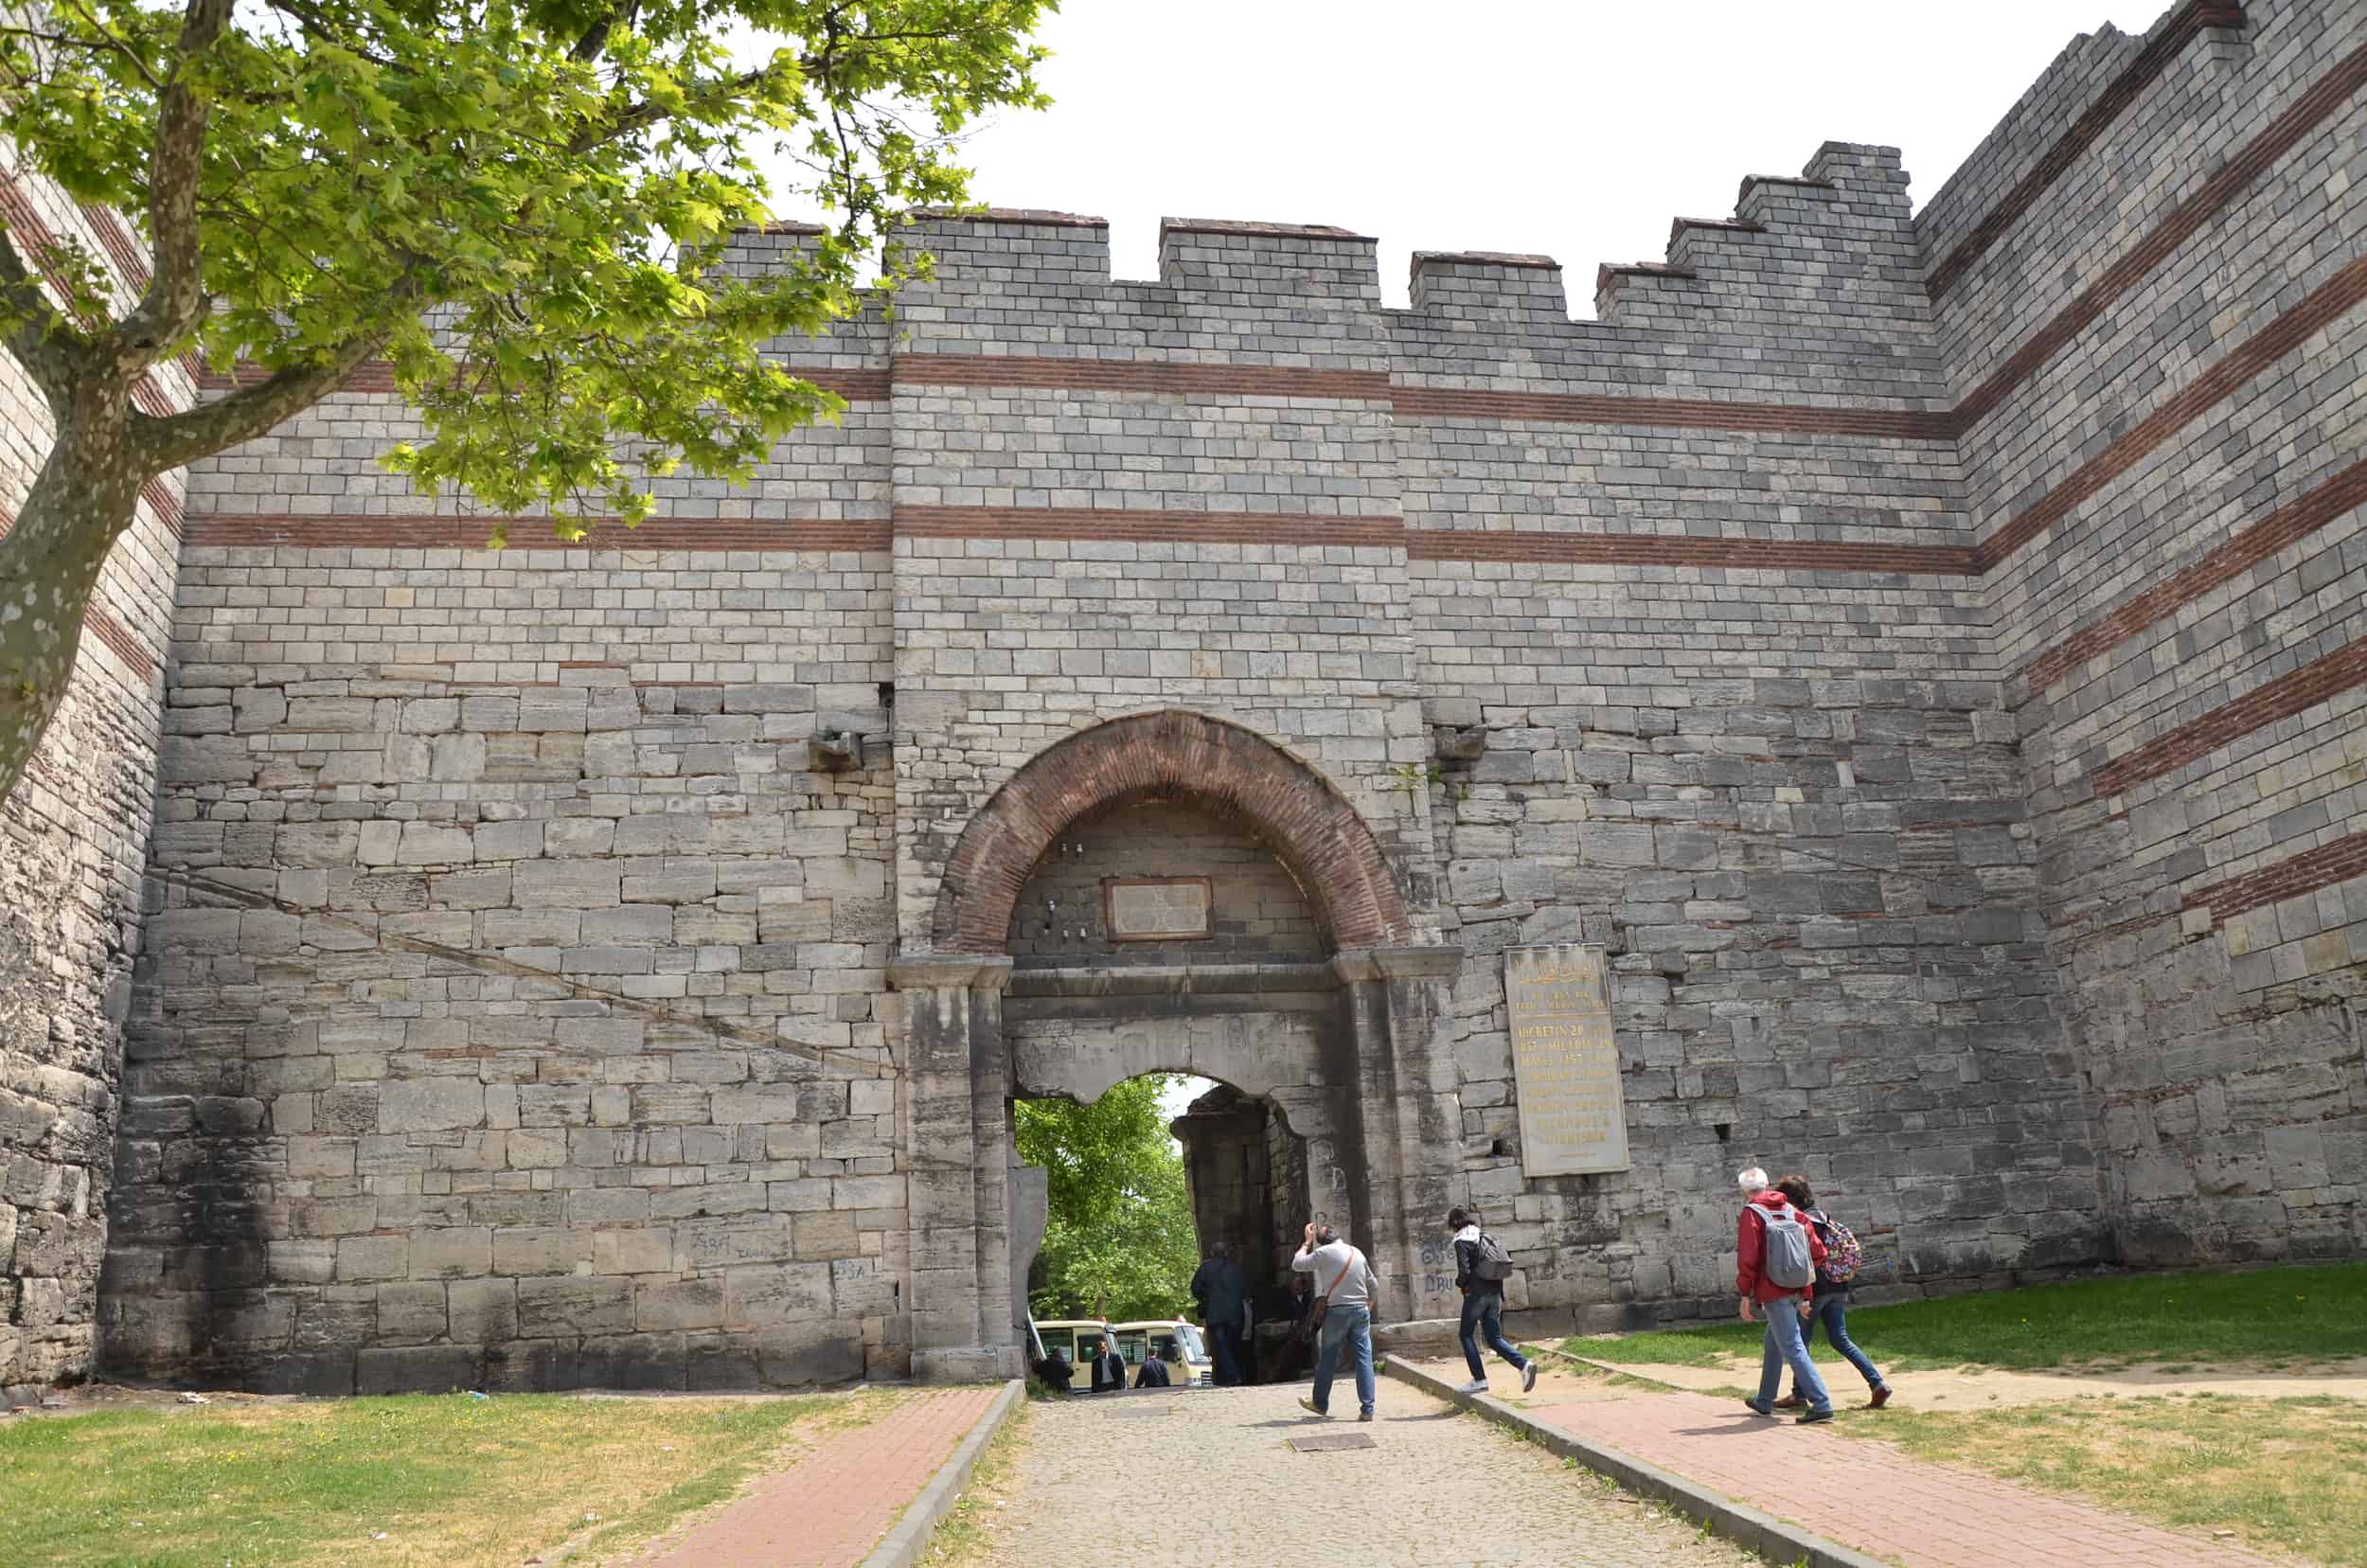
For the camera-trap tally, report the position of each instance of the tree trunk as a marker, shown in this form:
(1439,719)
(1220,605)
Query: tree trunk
(81,501)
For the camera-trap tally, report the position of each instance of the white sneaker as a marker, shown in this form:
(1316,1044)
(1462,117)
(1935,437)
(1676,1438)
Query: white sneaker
(1477,1385)
(1528,1377)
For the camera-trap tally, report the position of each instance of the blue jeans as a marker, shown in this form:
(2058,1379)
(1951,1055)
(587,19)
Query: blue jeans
(1788,1342)
(1832,1310)
(1352,1326)
(1484,1318)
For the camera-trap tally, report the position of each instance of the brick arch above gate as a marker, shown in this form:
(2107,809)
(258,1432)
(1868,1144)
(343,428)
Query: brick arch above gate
(1311,828)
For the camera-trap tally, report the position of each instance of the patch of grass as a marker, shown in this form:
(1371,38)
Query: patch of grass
(445,1479)
(2304,1314)
(2289,1473)
(967,1533)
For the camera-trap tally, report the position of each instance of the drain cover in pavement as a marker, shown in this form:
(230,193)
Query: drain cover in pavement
(1332,1441)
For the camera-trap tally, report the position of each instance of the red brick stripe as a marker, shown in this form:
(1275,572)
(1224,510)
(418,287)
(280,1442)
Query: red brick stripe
(2303,115)
(2150,62)
(131,261)
(1147,527)
(229,531)
(2282,698)
(2325,304)
(101,623)
(2288,524)
(379,376)
(161,501)
(2306,872)
(1591,549)
(369,376)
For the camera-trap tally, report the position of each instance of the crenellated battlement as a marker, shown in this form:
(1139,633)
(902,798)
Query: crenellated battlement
(1489,283)
(1777,275)
(1225,255)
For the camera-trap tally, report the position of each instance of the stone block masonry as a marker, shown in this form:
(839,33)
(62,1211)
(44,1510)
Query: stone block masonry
(1922,647)
(72,840)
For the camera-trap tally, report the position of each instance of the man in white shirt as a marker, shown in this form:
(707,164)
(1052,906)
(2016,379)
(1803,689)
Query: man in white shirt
(1348,1285)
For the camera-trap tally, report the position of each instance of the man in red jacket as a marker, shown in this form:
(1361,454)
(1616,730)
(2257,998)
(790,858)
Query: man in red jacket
(1777,1252)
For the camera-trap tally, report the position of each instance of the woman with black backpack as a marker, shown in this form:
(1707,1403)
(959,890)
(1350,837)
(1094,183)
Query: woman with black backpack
(1833,1278)
(1481,1268)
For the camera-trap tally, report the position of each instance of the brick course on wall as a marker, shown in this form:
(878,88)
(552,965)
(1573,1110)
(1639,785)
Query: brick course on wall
(1922,647)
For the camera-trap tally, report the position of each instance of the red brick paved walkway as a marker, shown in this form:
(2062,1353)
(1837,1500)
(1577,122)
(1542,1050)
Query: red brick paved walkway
(831,1507)
(1883,1502)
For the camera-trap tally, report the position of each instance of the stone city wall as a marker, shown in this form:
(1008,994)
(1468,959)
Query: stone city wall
(73,839)
(2159,380)
(1921,649)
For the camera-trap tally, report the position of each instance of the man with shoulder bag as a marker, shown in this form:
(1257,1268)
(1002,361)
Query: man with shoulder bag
(1345,1288)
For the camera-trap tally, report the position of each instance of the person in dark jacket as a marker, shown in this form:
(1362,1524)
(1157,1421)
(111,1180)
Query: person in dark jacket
(1786,1306)
(1831,1306)
(1153,1372)
(1108,1366)
(1220,1292)
(1055,1371)
(1483,1306)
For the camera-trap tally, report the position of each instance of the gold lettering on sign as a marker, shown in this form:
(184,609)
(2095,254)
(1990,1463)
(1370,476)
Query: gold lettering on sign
(1565,1061)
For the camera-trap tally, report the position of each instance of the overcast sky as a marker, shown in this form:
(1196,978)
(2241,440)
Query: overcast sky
(1577,129)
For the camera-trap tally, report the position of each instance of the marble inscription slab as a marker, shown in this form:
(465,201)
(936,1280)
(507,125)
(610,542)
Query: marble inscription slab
(1565,1061)
(1156,909)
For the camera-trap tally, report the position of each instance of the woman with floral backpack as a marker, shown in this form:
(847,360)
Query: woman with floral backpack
(1834,1276)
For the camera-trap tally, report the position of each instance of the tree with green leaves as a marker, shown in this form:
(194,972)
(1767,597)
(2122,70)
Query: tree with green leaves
(1120,1242)
(517,204)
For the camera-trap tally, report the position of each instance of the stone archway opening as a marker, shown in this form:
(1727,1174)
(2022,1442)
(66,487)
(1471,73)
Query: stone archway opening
(1159,932)
(1169,893)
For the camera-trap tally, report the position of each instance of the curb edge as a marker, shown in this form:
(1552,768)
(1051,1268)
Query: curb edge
(1739,1522)
(908,1539)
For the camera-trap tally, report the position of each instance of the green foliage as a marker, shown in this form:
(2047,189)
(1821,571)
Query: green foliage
(2310,1313)
(516,202)
(1120,1242)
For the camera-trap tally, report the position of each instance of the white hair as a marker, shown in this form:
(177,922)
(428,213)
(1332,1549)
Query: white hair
(1753,1182)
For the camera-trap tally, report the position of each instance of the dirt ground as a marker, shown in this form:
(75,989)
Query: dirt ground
(1964,1388)
(83,1399)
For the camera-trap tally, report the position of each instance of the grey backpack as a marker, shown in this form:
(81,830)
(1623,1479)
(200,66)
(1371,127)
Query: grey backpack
(1786,1260)
(1493,1263)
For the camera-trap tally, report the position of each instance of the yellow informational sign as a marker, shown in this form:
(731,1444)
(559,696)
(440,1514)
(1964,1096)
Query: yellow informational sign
(1565,1061)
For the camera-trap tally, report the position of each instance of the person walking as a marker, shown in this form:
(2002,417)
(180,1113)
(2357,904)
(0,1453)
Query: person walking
(1481,1268)
(1834,1276)
(1776,1253)
(1345,1288)
(1219,1292)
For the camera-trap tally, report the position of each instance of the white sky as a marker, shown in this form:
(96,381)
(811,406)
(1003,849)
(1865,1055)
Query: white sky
(1577,129)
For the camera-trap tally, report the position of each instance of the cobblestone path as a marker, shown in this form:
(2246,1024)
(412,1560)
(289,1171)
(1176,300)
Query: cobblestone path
(1204,1477)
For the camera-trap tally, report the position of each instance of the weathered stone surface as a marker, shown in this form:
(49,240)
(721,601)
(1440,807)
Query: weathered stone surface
(514,996)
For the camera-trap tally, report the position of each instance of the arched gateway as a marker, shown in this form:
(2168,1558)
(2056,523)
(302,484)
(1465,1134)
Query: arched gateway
(1169,892)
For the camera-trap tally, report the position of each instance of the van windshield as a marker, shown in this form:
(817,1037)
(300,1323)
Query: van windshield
(1190,1336)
